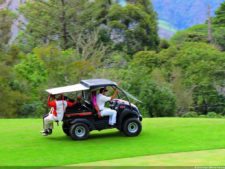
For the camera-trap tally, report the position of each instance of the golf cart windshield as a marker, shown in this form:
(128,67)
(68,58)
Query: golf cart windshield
(130,95)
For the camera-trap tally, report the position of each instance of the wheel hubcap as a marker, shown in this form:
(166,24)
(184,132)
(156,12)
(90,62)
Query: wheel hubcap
(80,131)
(132,127)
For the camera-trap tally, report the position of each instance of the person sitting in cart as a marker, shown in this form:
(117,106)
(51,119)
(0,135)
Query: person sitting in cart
(58,107)
(101,100)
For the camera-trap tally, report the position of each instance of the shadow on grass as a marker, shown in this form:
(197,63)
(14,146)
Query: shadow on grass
(59,138)
(100,135)
(92,136)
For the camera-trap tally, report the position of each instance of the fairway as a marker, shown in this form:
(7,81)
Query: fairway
(193,158)
(22,144)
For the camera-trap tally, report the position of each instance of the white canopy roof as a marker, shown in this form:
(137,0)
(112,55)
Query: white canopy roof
(66,89)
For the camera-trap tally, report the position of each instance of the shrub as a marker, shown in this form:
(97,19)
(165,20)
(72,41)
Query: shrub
(190,114)
(159,101)
(34,109)
(212,115)
(202,116)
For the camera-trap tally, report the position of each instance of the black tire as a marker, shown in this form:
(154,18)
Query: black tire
(79,131)
(66,129)
(132,127)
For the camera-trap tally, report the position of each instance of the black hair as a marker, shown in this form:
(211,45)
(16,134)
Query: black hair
(102,90)
(60,97)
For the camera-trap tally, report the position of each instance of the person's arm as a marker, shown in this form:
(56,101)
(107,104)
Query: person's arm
(114,94)
(50,102)
(71,104)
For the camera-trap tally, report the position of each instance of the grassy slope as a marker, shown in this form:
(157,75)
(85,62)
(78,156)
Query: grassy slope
(22,144)
(194,158)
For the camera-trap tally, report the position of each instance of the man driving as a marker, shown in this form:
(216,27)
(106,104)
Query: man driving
(101,100)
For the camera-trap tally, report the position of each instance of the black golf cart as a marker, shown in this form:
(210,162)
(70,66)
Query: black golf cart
(79,120)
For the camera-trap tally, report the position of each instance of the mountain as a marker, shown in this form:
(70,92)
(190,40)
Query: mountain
(182,14)
(176,15)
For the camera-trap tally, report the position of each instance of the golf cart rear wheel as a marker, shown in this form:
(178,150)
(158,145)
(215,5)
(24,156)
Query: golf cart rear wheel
(132,127)
(79,131)
(66,129)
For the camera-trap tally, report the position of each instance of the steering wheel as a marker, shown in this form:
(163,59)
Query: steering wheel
(113,103)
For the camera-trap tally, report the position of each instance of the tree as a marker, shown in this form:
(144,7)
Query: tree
(147,59)
(32,69)
(13,98)
(6,20)
(201,69)
(51,21)
(219,19)
(158,101)
(219,26)
(183,94)
(63,22)
(133,27)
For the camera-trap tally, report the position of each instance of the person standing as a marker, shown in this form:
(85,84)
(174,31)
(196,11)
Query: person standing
(101,100)
(58,106)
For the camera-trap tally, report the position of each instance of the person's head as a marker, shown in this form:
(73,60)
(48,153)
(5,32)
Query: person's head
(103,90)
(93,93)
(60,97)
(79,98)
(52,96)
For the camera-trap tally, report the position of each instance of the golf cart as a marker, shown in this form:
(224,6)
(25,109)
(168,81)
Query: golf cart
(82,118)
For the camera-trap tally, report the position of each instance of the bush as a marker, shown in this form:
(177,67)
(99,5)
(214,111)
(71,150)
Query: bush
(214,115)
(202,116)
(159,101)
(34,109)
(190,114)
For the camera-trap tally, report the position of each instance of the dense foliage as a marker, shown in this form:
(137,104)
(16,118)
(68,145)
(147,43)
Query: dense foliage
(66,41)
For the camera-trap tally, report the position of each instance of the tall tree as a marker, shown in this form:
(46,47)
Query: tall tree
(220,16)
(52,21)
(63,21)
(6,20)
(219,26)
(134,27)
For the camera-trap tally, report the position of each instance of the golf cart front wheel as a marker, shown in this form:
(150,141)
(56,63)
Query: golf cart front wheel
(132,127)
(79,131)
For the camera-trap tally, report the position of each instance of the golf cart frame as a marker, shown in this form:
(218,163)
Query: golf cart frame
(82,118)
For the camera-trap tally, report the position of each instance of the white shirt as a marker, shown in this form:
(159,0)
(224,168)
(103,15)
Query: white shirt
(60,109)
(101,99)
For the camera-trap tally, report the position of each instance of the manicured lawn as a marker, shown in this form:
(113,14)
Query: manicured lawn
(22,144)
(193,158)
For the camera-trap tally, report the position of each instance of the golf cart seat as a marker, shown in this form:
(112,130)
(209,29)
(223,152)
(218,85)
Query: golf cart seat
(94,103)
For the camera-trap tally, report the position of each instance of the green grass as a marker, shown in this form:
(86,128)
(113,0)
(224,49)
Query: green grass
(194,158)
(22,144)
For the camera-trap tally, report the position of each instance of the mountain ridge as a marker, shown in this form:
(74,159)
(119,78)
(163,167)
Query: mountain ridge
(175,11)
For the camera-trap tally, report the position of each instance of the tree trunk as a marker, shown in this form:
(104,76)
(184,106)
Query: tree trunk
(64,26)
